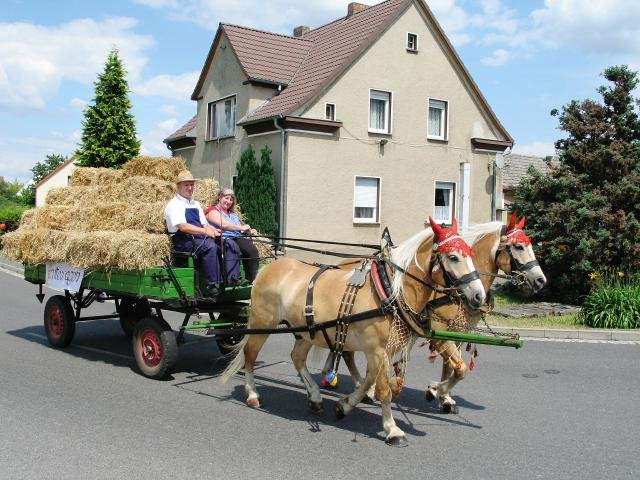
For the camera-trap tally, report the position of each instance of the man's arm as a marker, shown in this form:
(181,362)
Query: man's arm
(207,230)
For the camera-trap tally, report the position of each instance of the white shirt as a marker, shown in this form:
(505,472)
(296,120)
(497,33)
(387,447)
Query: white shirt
(174,212)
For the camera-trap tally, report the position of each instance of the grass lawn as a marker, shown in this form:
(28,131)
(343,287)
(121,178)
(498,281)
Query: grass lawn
(550,321)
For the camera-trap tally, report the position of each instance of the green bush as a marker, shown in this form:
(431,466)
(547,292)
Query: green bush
(614,302)
(10,215)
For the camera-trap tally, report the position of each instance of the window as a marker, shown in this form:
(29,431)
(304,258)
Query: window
(443,207)
(412,42)
(437,120)
(379,111)
(366,200)
(329,111)
(222,118)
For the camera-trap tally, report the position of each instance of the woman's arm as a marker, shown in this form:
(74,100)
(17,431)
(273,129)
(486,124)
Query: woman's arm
(216,217)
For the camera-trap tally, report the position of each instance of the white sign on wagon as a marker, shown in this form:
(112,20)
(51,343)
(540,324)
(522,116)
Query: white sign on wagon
(62,276)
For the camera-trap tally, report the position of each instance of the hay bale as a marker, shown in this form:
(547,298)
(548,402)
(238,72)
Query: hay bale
(28,219)
(137,250)
(145,216)
(56,217)
(164,168)
(84,176)
(206,191)
(70,195)
(90,250)
(32,246)
(145,190)
(100,216)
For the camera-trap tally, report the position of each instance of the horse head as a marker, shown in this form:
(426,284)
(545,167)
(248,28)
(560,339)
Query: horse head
(455,258)
(516,254)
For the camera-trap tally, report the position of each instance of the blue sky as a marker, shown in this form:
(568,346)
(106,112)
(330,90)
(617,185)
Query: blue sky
(527,57)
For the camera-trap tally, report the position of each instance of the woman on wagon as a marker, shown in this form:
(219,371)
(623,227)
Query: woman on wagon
(223,216)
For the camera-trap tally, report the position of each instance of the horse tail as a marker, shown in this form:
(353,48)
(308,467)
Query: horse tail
(237,363)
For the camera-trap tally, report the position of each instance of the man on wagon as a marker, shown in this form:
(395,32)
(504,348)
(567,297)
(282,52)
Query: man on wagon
(190,231)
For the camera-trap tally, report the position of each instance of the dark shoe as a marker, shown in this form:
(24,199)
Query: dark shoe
(212,292)
(244,282)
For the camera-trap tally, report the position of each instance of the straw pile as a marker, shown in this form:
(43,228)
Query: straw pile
(106,219)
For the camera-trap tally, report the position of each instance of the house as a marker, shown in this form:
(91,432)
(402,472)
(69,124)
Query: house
(58,177)
(515,169)
(372,119)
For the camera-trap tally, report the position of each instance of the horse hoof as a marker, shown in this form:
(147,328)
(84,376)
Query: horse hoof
(253,402)
(449,408)
(368,400)
(397,441)
(316,407)
(338,410)
(429,395)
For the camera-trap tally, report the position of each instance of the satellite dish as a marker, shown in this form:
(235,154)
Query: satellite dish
(499,160)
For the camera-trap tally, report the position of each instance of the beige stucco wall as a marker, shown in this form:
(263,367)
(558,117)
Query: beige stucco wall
(58,179)
(218,158)
(321,170)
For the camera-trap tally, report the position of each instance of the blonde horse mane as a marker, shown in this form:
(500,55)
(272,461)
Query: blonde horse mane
(475,233)
(403,255)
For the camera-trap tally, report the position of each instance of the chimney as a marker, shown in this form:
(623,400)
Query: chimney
(300,31)
(355,7)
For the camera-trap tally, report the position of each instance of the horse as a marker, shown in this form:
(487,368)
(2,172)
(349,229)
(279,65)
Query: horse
(280,293)
(495,248)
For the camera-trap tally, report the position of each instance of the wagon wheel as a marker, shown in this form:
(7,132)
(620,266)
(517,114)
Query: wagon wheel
(59,321)
(131,311)
(227,343)
(154,347)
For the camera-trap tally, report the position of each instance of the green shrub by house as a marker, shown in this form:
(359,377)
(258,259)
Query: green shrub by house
(614,302)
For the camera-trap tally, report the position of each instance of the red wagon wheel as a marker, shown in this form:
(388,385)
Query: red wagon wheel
(154,347)
(59,321)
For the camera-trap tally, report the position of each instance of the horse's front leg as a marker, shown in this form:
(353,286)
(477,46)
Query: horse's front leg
(350,362)
(453,370)
(299,354)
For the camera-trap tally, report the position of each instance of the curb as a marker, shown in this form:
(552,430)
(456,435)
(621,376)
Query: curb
(573,334)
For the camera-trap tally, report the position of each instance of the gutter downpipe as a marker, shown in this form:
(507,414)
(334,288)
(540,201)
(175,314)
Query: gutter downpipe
(281,221)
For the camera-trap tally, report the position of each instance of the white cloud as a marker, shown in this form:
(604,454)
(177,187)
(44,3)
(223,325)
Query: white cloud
(276,15)
(169,110)
(601,28)
(498,57)
(537,149)
(152,140)
(179,87)
(78,103)
(35,59)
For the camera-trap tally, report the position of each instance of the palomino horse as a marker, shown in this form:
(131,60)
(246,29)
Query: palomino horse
(494,249)
(281,289)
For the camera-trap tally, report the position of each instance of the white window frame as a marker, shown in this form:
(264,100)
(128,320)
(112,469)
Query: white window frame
(211,135)
(357,202)
(388,111)
(444,119)
(333,106)
(438,211)
(408,43)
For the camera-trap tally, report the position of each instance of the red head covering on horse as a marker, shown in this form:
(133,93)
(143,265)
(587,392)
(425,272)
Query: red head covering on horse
(448,239)
(514,232)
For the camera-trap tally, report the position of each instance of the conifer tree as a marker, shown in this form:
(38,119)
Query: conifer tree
(585,213)
(108,129)
(256,190)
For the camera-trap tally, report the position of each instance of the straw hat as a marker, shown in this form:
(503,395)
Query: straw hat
(185,176)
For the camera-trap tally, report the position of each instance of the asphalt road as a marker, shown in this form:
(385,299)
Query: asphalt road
(552,410)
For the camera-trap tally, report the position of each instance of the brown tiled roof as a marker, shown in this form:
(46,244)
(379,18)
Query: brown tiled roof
(267,56)
(334,48)
(187,130)
(516,166)
(307,65)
